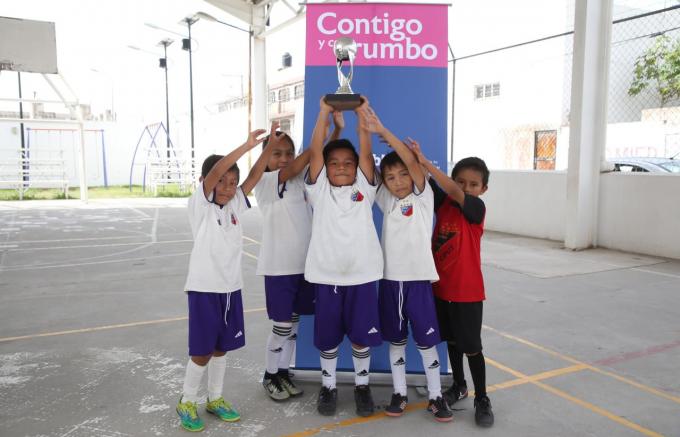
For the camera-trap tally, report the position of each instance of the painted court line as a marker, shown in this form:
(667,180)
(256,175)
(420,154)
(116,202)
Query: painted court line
(589,366)
(108,327)
(594,408)
(422,405)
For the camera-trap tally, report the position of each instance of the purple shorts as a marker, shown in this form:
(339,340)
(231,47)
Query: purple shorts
(351,310)
(404,302)
(288,294)
(215,322)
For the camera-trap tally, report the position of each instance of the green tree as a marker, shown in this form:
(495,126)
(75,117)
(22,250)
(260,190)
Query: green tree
(658,67)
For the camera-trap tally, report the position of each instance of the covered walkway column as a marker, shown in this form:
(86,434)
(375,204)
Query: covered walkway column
(588,120)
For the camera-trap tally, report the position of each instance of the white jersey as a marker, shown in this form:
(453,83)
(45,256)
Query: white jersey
(286,225)
(344,249)
(407,235)
(215,263)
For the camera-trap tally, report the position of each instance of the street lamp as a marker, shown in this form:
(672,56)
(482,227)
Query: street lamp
(163,63)
(249,31)
(186,45)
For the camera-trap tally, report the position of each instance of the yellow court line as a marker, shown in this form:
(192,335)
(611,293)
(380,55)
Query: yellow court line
(588,366)
(250,239)
(107,327)
(580,402)
(422,405)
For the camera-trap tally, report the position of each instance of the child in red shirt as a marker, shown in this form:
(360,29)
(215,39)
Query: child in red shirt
(459,294)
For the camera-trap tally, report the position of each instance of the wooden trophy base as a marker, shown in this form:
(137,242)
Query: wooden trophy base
(344,102)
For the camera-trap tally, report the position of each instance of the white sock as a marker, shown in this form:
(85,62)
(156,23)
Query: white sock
(362,362)
(431,366)
(277,338)
(192,381)
(329,364)
(216,369)
(398,366)
(289,345)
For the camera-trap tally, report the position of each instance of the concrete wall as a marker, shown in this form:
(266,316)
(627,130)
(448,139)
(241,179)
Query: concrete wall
(638,212)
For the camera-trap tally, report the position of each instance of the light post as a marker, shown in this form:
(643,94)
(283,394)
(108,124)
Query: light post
(163,63)
(249,31)
(186,45)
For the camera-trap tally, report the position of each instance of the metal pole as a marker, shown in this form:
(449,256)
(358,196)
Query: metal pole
(24,150)
(191,103)
(167,104)
(453,103)
(250,91)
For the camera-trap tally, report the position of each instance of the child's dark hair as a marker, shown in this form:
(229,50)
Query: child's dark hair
(339,144)
(210,162)
(390,160)
(286,138)
(473,163)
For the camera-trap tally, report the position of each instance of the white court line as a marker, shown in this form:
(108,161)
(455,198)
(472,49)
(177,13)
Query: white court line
(671,275)
(154,226)
(111,261)
(87,246)
(89,238)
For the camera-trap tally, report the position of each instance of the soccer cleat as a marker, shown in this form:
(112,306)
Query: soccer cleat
(364,400)
(397,405)
(440,410)
(483,413)
(188,416)
(272,385)
(327,401)
(222,409)
(454,394)
(287,384)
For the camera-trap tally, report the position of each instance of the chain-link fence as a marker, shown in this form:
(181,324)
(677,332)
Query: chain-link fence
(511,105)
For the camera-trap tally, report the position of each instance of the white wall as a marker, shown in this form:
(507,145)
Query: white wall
(638,212)
(527,203)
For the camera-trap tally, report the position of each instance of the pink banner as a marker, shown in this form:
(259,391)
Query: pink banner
(386,34)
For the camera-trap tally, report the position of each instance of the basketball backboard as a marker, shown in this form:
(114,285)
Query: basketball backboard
(27,45)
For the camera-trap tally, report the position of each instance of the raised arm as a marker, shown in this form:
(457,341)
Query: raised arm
(317,143)
(338,125)
(366,161)
(373,124)
(447,184)
(223,165)
(295,167)
(261,164)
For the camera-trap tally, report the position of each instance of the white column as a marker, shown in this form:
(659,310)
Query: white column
(82,168)
(588,120)
(258,75)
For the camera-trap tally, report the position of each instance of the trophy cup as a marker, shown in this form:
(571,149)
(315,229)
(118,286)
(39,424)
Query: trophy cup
(344,98)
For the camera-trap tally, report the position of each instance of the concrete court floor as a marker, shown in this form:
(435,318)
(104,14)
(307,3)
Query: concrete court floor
(93,335)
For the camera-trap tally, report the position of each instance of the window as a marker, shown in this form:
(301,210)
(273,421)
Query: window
(284,95)
(487,90)
(285,125)
(299,91)
(272,97)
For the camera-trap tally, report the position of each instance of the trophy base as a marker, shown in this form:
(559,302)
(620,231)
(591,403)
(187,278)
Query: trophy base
(344,102)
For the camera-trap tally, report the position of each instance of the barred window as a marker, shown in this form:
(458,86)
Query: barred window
(487,90)
(272,97)
(284,95)
(299,91)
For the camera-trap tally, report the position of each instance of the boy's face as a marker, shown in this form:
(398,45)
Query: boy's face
(470,181)
(281,156)
(398,180)
(226,188)
(341,167)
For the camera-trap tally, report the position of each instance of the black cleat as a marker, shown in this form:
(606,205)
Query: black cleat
(483,413)
(454,394)
(397,405)
(440,410)
(327,401)
(364,400)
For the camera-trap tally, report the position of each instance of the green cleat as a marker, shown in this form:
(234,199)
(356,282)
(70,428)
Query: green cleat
(188,416)
(222,409)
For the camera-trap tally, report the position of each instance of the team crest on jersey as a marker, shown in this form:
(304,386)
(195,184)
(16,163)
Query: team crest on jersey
(233,219)
(357,196)
(407,209)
